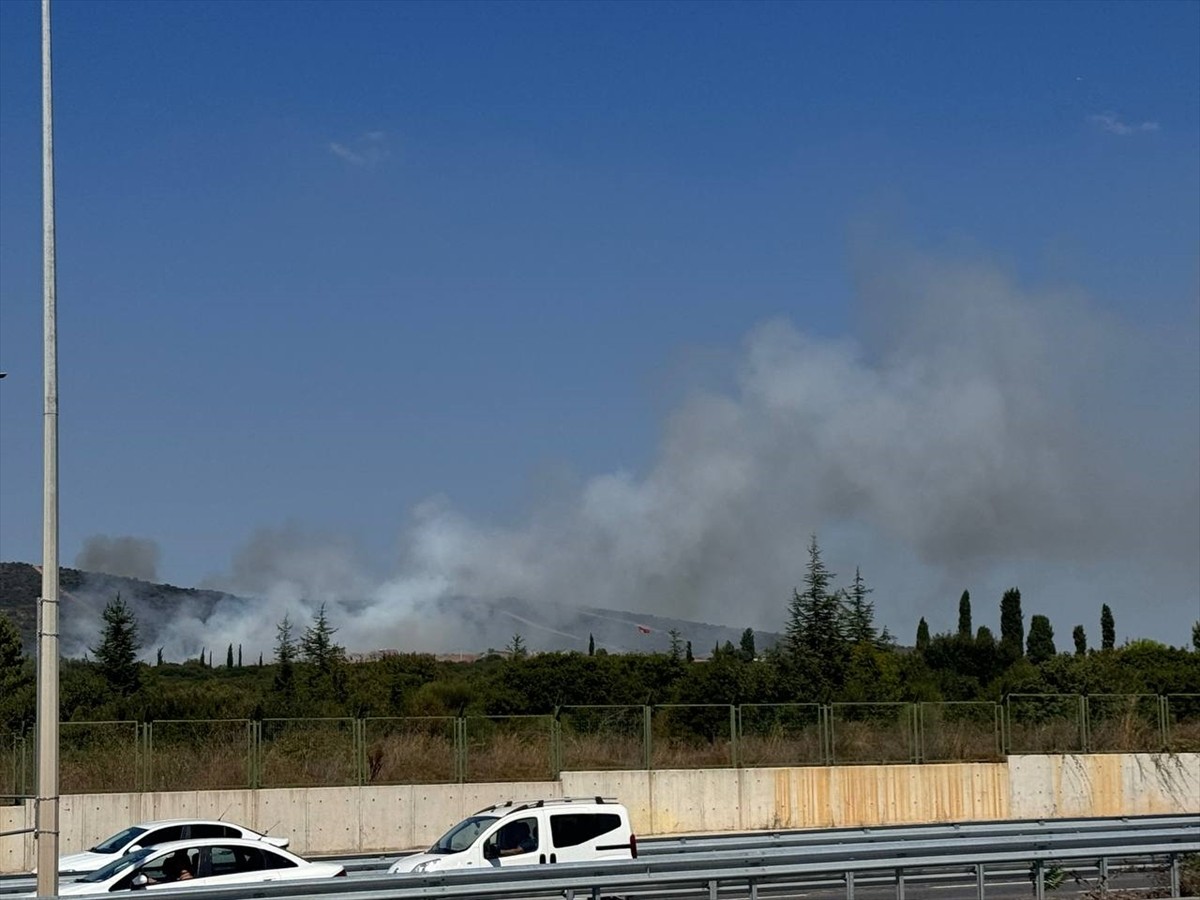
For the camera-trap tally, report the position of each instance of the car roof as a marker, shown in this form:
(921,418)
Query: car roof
(212,842)
(159,823)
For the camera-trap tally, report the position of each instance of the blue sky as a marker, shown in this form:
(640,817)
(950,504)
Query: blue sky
(472,298)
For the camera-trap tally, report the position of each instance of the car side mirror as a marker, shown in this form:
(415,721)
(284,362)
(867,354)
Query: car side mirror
(140,881)
(491,851)
(133,848)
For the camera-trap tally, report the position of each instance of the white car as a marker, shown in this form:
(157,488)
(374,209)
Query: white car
(538,832)
(209,862)
(151,834)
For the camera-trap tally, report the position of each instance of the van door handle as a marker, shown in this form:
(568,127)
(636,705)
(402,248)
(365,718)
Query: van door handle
(553,857)
(542,858)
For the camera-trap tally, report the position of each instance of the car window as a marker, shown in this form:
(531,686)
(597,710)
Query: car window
(204,830)
(462,835)
(273,860)
(118,841)
(572,829)
(162,835)
(119,864)
(514,838)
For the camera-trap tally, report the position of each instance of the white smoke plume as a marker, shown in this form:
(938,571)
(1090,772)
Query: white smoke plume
(977,435)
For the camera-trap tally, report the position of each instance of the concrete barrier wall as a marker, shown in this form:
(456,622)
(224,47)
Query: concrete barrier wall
(395,817)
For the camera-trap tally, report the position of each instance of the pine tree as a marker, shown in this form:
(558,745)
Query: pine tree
(316,644)
(1108,629)
(815,616)
(1012,625)
(117,653)
(922,635)
(676,646)
(688,653)
(964,615)
(591,645)
(516,647)
(1196,635)
(158,657)
(285,655)
(1080,638)
(1041,640)
(860,625)
(229,657)
(749,653)
(239,656)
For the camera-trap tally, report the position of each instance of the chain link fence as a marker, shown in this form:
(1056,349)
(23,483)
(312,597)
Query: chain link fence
(97,757)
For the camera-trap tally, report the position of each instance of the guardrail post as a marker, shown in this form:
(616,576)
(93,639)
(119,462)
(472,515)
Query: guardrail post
(1039,880)
(1174,875)
(979,881)
(849,886)
(1103,876)
(899,884)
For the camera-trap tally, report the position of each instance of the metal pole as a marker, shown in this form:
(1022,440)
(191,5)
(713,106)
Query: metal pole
(47,682)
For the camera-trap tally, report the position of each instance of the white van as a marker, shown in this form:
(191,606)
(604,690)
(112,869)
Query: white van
(536,832)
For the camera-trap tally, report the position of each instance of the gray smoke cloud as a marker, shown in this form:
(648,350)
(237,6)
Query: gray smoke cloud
(129,557)
(978,434)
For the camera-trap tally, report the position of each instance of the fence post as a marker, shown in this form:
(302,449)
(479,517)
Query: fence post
(555,747)
(913,731)
(827,733)
(647,738)
(460,749)
(1164,737)
(1085,723)
(733,736)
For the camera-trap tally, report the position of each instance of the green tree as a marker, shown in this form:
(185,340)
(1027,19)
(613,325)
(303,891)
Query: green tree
(1012,625)
(316,644)
(687,654)
(1041,640)
(922,635)
(860,619)
(16,681)
(1080,638)
(964,615)
(1196,635)
(591,645)
(675,650)
(229,657)
(285,655)
(1108,629)
(749,653)
(516,647)
(116,655)
(816,651)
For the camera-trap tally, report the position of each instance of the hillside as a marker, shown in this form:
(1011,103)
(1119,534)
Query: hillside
(477,624)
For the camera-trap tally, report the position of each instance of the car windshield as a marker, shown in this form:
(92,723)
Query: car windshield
(117,865)
(117,842)
(462,835)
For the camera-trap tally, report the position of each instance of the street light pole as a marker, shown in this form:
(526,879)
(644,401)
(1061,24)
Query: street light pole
(46,826)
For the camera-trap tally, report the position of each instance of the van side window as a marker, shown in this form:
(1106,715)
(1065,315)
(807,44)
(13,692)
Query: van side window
(571,829)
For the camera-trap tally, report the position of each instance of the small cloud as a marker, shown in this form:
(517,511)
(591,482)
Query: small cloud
(364,152)
(1110,123)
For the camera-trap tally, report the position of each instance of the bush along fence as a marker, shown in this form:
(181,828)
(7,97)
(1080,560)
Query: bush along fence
(244,753)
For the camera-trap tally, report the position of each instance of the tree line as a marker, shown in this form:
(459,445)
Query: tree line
(831,651)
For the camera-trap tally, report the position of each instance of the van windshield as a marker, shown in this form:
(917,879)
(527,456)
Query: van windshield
(462,835)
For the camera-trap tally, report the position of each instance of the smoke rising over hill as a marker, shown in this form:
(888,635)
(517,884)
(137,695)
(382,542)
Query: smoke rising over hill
(979,434)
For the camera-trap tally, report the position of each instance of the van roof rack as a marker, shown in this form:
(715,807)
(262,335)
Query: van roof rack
(515,805)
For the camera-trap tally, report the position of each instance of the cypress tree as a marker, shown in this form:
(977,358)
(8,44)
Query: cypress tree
(1080,639)
(1012,625)
(1041,640)
(922,635)
(964,615)
(1108,629)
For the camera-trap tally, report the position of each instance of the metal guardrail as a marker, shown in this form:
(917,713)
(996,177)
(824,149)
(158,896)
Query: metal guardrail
(763,859)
